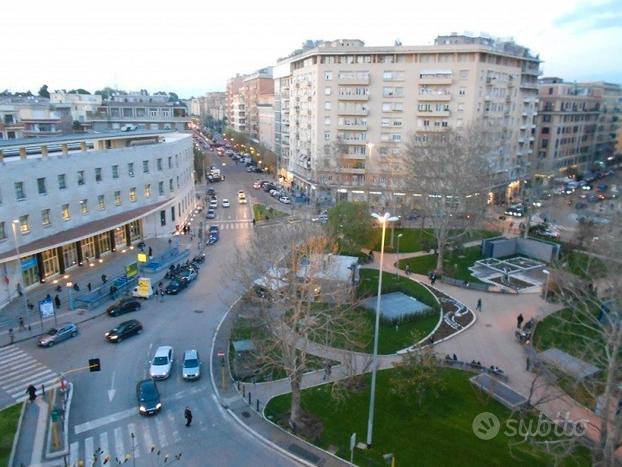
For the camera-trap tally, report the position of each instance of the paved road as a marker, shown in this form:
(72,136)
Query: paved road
(104,412)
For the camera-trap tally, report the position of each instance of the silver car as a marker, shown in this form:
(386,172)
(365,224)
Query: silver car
(162,362)
(191,368)
(56,335)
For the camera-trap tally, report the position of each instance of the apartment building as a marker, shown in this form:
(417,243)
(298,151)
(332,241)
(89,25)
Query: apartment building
(577,126)
(69,200)
(27,117)
(342,108)
(212,105)
(77,105)
(233,89)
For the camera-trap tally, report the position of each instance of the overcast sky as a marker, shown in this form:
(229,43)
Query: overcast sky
(191,47)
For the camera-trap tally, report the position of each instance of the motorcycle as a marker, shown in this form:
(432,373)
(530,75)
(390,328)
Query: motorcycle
(524,335)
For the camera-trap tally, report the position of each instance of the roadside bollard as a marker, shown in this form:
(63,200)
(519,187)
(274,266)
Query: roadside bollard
(238,385)
(243,390)
(257,403)
(249,398)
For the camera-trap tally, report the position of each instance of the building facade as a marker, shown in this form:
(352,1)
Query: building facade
(577,126)
(28,117)
(343,108)
(70,200)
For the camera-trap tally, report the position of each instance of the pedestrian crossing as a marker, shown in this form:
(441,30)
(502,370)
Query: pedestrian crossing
(18,370)
(139,437)
(227,225)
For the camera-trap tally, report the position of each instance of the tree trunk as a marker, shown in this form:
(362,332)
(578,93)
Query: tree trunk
(294,415)
(440,256)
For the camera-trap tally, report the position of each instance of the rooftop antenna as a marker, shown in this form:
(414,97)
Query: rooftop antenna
(398,43)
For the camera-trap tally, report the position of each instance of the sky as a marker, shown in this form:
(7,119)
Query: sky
(191,47)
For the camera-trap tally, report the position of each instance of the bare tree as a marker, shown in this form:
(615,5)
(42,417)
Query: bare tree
(450,176)
(299,303)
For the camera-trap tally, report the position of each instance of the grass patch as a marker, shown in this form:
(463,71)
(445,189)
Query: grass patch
(8,427)
(261,212)
(437,432)
(456,265)
(420,239)
(581,265)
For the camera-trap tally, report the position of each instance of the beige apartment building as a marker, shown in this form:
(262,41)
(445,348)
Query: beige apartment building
(211,105)
(343,110)
(577,126)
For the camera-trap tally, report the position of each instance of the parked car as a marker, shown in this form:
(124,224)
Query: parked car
(225,203)
(59,334)
(189,274)
(257,185)
(175,286)
(148,397)
(191,368)
(123,330)
(125,305)
(162,362)
(285,200)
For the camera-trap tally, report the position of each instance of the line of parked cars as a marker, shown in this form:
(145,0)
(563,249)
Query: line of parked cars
(274,190)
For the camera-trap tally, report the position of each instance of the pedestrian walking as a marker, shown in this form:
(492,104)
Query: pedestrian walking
(113,291)
(150,252)
(519,320)
(32,393)
(528,364)
(433,278)
(57,301)
(161,295)
(104,279)
(188,416)
(407,269)
(18,287)
(11,335)
(29,305)
(478,307)
(76,287)
(89,286)
(21,324)
(170,240)
(42,390)
(254,222)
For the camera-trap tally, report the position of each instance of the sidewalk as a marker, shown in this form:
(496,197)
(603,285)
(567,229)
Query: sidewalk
(31,432)
(113,265)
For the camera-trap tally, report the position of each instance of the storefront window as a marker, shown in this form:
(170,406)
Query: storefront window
(88,248)
(135,232)
(30,270)
(70,255)
(119,237)
(50,262)
(104,242)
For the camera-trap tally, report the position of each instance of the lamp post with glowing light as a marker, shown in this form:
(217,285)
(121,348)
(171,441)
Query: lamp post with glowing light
(383,219)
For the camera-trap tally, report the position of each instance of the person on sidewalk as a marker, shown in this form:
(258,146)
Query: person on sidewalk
(478,307)
(21,324)
(57,301)
(519,320)
(32,393)
(104,279)
(29,305)
(188,416)
(407,269)
(18,287)
(89,286)
(11,335)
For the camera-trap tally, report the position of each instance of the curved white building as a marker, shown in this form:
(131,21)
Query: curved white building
(71,199)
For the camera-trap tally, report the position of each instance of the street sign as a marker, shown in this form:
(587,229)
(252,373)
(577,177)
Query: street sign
(131,270)
(142,257)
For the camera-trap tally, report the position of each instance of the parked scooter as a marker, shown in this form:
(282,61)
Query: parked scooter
(524,335)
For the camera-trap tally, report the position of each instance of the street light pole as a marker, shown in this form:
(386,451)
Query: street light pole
(19,269)
(386,217)
(546,285)
(69,287)
(398,256)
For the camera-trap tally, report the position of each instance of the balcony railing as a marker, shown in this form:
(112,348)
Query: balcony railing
(346,111)
(434,97)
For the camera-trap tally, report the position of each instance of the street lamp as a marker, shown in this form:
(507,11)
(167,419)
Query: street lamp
(69,287)
(14,224)
(546,285)
(398,255)
(383,219)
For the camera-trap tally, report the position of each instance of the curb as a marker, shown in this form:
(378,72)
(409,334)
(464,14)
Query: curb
(65,451)
(18,430)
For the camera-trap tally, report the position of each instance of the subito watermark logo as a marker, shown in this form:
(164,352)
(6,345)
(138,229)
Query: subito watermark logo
(486,426)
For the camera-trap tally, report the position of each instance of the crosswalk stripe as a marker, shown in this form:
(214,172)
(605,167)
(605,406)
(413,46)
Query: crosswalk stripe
(173,424)
(103,443)
(147,437)
(118,443)
(21,366)
(19,395)
(13,359)
(88,450)
(20,375)
(30,379)
(73,453)
(161,432)
(9,352)
(131,428)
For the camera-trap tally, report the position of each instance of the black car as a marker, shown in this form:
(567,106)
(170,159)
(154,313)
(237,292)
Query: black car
(125,329)
(211,191)
(123,306)
(148,397)
(176,285)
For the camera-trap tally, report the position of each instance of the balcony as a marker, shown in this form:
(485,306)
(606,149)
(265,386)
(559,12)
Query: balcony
(358,157)
(353,81)
(353,97)
(358,112)
(40,133)
(350,170)
(354,142)
(352,127)
(434,97)
(435,113)
(440,80)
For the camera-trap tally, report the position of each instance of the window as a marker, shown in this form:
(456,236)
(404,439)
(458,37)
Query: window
(101,202)
(41,186)
(170,162)
(327,105)
(328,75)
(327,136)
(159,164)
(81,180)
(2,231)
(145,167)
(45,217)
(177,181)
(462,92)
(19,190)
(98,174)
(393,92)
(160,188)
(62,182)
(326,120)
(130,169)
(115,171)
(84,207)
(173,213)
(170,184)
(327,91)
(24,224)
(117,198)
(162,218)
(148,190)
(65,212)
(133,194)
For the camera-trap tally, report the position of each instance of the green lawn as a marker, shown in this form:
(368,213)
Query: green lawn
(437,433)
(260,212)
(390,338)
(420,239)
(577,263)
(456,265)
(8,426)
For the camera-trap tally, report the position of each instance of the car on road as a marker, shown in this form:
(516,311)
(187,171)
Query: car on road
(191,367)
(226,203)
(285,200)
(516,210)
(241,197)
(580,205)
(257,185)
(586,187)
(211,214)
(125,305)
(211,191)
(162,362)
(213,204)
(189,274)
(537,203)
(55,335)
(175,286)
(123,330)
(148,397)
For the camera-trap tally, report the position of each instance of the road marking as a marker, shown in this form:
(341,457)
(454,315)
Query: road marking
(22,374)
(22,366)
(147,437)
(49,384)
(13,358)
(26,381)
(118,444)
(161,433)
(8,351)
(88,450)
(173,424)
(103,443)
(91,425)
(73,453)
(131,428)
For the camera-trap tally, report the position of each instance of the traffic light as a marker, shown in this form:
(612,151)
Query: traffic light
(94,364)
